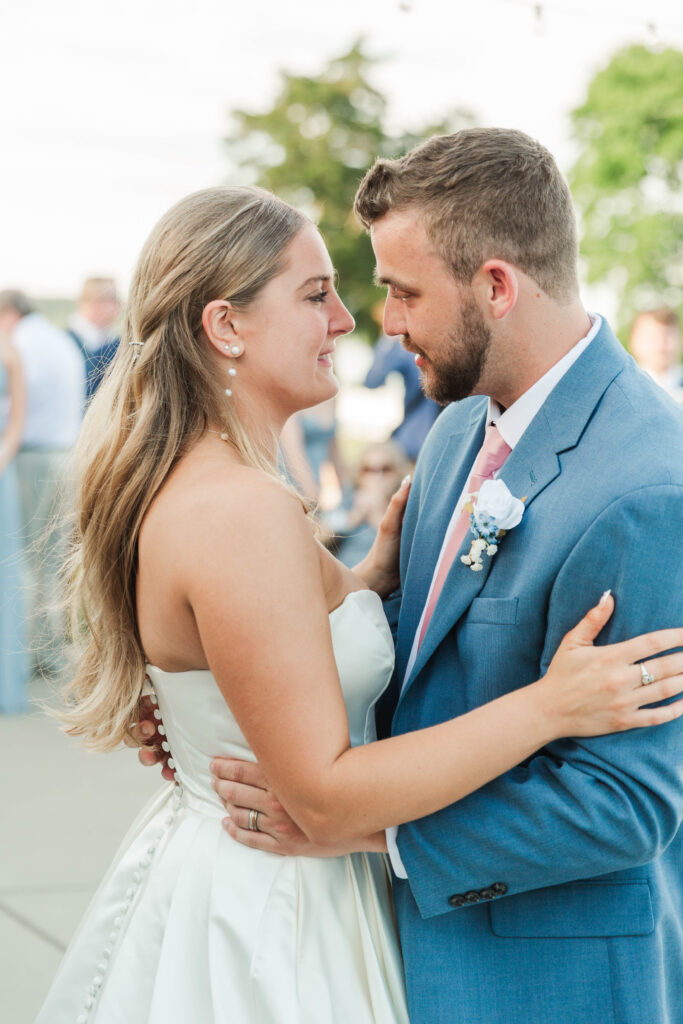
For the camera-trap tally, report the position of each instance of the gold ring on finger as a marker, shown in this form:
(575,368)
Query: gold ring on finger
(253,821)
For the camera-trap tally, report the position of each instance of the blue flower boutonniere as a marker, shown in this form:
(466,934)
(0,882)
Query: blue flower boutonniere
(493,511)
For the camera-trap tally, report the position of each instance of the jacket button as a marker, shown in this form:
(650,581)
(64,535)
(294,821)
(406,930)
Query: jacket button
(487,893)
(472,896)
(499,888)
(457,900)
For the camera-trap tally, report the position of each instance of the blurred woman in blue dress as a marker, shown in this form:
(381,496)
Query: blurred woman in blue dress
(14,661)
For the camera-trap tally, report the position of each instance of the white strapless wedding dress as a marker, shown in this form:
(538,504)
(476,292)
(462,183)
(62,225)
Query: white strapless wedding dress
(189,927)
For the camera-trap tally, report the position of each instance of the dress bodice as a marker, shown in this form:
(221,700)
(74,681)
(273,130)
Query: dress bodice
(190,925)
(199,724)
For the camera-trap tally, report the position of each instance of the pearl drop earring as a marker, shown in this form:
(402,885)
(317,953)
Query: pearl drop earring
(232,372)
(234,350)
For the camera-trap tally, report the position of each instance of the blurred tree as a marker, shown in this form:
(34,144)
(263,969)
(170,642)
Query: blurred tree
(313,147)
(628,179)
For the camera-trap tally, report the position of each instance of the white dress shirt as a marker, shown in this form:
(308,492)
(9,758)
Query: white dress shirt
(511,425)
(671,380)
(92,336)
(54,373)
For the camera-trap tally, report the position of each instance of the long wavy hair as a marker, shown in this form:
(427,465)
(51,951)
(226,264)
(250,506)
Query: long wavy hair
(152,407)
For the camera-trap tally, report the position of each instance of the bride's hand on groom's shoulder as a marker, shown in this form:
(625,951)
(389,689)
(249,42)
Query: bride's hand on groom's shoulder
(379,570)
(596,690)
(257,819)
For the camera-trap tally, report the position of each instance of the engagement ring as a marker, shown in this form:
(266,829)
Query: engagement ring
(645,676)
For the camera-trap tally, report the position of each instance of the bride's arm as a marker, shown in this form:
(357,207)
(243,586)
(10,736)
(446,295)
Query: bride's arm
(254,584)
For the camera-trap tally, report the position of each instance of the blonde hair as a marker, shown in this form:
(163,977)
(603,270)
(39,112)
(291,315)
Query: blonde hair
(484,193)
(155,403)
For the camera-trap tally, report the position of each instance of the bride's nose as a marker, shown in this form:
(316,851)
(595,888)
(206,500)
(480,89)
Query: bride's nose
(341,321)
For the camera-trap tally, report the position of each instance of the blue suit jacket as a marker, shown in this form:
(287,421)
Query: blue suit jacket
(96,362)
(571,865)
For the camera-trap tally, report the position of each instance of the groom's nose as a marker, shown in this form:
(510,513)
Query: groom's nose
(394,321)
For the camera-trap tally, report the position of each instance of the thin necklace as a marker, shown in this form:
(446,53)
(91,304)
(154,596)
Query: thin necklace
(223,436)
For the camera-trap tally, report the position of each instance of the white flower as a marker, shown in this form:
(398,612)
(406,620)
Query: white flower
(493,511)
(496,502)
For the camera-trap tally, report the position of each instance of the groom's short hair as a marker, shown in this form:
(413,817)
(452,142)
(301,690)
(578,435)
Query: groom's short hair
(486,193)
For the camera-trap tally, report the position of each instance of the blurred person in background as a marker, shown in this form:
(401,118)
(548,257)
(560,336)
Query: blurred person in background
(14,661)
(55,396)
(311,455)
(656,345)
(419,412)
(382,468)
(91,327)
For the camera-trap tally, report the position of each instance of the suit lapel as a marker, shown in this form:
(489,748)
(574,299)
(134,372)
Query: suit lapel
(533,464)
(437,505)
(530,468)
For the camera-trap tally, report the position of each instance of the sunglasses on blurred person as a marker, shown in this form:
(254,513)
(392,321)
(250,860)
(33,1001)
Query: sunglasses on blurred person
(385,468)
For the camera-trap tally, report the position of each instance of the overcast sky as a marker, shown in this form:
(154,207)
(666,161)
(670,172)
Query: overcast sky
(113,109)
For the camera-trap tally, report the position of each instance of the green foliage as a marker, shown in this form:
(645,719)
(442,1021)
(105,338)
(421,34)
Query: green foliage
(628,180)
(312,148)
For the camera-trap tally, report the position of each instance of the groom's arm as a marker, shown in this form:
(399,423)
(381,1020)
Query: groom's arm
(581,808)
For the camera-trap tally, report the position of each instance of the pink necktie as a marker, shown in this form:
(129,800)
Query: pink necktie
(493,454)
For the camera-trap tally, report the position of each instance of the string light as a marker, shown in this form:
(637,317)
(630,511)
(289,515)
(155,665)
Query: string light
(650,29)
(538,18)
(654,33)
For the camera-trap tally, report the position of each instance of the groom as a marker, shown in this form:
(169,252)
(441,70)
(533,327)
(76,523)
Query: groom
(553,895)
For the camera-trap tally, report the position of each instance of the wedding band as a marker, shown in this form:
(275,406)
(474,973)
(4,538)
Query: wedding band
(645,676)
(253,821)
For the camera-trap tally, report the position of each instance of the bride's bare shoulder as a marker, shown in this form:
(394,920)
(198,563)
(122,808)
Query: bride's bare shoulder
(210,505)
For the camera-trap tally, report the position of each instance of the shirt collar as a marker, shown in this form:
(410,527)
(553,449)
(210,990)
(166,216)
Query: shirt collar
(513,422)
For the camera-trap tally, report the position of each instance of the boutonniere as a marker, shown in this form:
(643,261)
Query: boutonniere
(493,511)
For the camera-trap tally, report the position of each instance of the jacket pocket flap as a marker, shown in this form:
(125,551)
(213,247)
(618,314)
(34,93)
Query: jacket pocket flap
(493,610)
(576,910)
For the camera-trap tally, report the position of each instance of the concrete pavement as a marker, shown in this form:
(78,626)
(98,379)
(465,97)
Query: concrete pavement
(63,813)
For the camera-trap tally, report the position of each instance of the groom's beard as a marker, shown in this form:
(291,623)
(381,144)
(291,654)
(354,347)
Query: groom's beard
(454,375)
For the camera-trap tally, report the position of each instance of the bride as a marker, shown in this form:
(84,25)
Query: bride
(198,568)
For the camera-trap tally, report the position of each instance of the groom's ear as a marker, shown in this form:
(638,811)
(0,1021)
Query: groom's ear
(496,286)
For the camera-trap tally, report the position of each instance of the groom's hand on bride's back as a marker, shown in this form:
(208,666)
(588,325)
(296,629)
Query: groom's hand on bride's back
(146,736)
(243,789)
